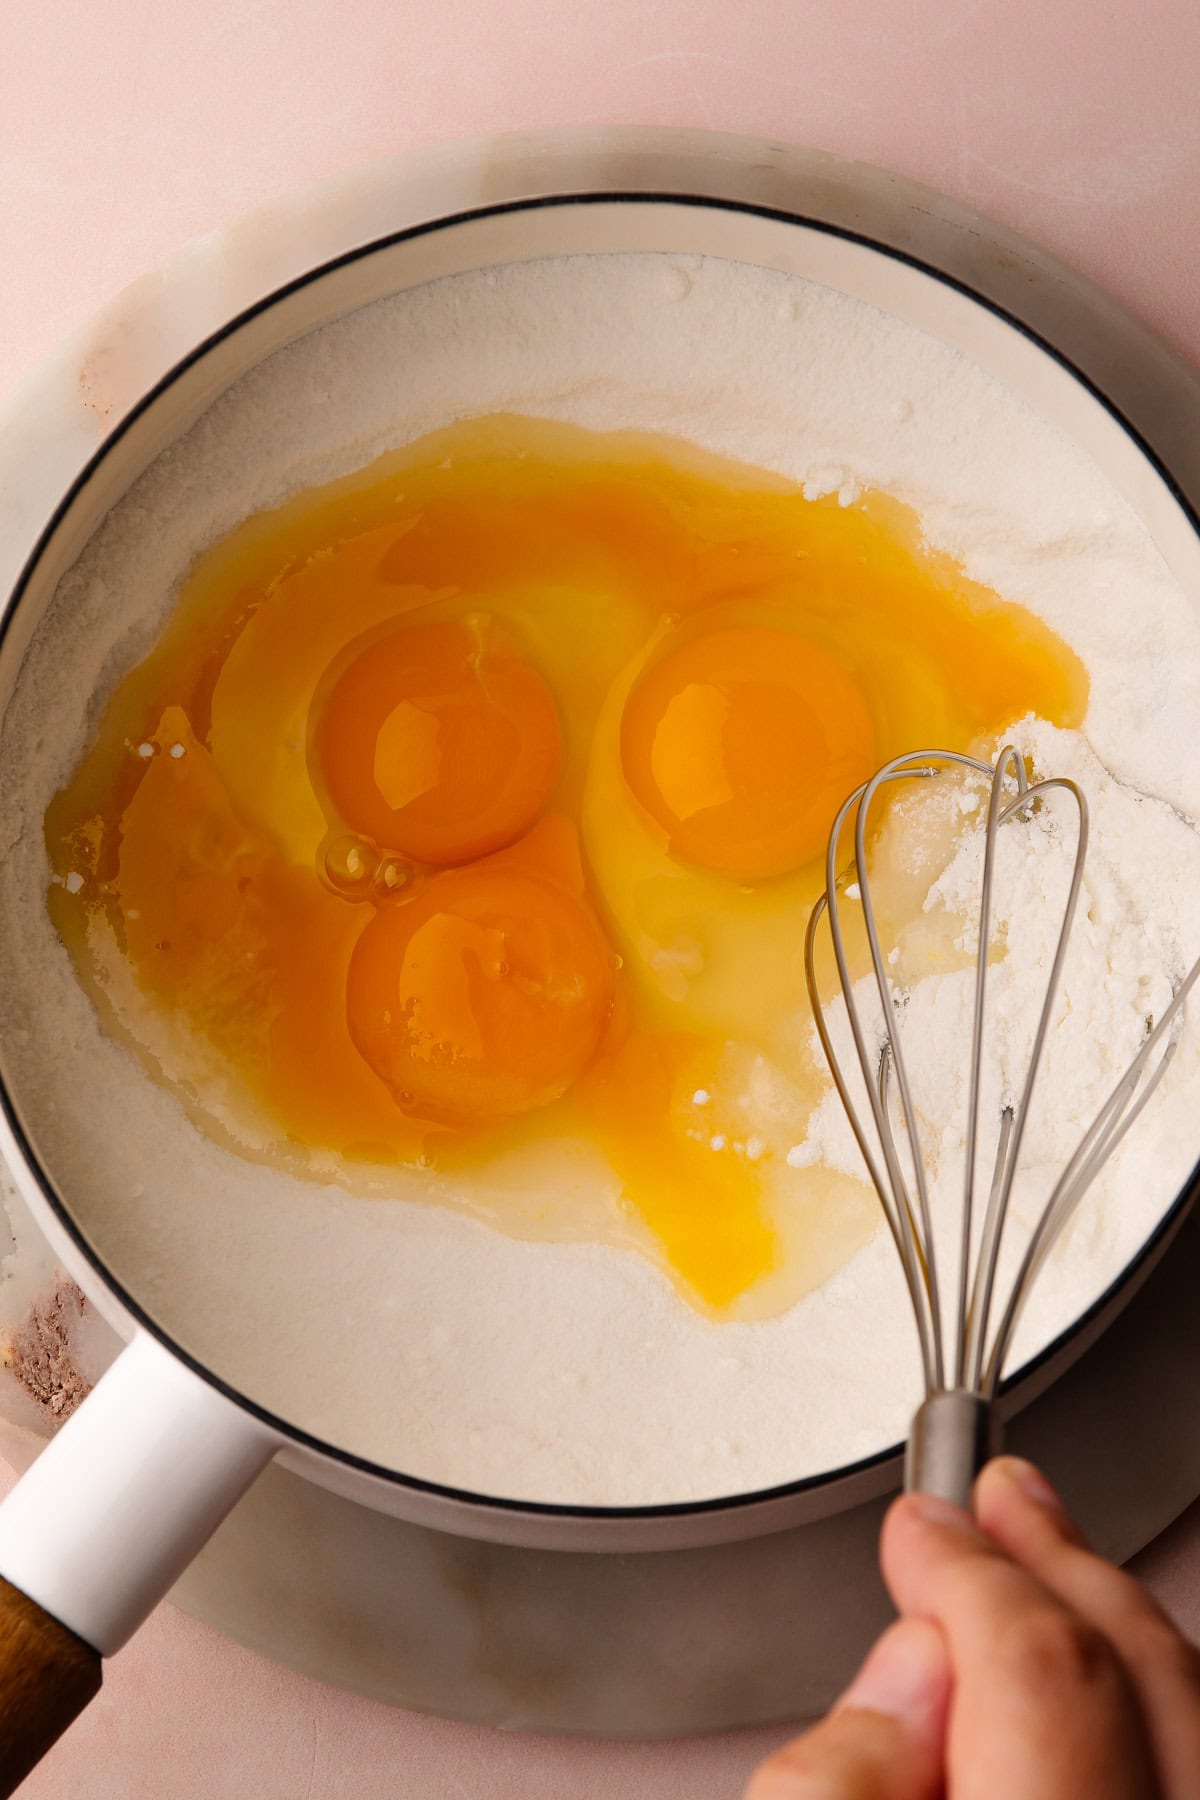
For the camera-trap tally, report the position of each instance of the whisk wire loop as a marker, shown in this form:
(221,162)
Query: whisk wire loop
(903,1230)
(1114,1119)
(911,1228)
(883,987)
(971,1325)
(973,1351)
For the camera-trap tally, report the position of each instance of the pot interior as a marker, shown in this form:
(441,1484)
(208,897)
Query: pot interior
(403,1334)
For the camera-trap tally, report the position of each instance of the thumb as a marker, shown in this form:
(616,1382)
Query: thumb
(883,1739)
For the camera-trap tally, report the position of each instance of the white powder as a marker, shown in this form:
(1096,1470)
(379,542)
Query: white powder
(420,1337)
(1132,941)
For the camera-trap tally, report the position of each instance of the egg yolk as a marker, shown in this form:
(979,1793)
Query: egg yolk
(742,744)
(482,997)
(437,742)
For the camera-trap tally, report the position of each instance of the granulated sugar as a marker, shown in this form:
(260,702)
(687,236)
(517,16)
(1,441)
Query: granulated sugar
(574,1372)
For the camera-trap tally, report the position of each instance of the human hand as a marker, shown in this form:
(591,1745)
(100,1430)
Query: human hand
(1023,1667)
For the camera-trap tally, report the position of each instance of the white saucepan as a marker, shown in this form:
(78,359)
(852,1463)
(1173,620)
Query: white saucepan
(133,1485)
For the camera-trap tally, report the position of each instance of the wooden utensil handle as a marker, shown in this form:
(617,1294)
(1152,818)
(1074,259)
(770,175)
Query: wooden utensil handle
(47,1677)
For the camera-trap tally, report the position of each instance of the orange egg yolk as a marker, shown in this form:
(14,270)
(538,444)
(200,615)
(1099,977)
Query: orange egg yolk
(742,744)
(437,742)
(481,998)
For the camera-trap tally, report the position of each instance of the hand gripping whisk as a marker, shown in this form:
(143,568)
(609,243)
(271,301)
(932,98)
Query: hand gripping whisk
(955,1429)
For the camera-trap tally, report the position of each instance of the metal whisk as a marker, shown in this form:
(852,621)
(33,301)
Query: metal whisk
(955,1429)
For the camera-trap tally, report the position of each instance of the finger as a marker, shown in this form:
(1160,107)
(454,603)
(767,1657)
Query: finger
(1019,1509)
(1042,1704)
(883,1739)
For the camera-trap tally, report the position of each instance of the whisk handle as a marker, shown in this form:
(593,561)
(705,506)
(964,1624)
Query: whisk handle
(953,1434)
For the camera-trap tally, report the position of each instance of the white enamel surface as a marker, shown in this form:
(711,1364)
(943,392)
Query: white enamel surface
(121,1499)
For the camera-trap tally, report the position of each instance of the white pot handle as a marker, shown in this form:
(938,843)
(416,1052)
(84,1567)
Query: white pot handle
(107,1518)
(120,1501)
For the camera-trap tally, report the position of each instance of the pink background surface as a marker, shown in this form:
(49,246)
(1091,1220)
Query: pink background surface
(127,129)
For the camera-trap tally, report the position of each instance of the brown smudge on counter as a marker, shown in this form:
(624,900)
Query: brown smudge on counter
(39,1353)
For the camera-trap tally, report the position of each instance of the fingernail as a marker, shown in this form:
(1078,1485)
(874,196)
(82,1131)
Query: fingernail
(906,1675)
(1031,1481)
(936,1511)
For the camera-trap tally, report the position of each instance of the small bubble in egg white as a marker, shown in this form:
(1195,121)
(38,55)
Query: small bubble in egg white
(348,866)
(146,751)
(177,750)
(717,1142)
(701,1097)
(390,876)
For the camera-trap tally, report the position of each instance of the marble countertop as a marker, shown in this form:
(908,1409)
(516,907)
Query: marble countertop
(128,130)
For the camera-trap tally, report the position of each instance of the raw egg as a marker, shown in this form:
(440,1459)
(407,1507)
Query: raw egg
(742,744)
(484,997)
(467,815)
(436,742)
